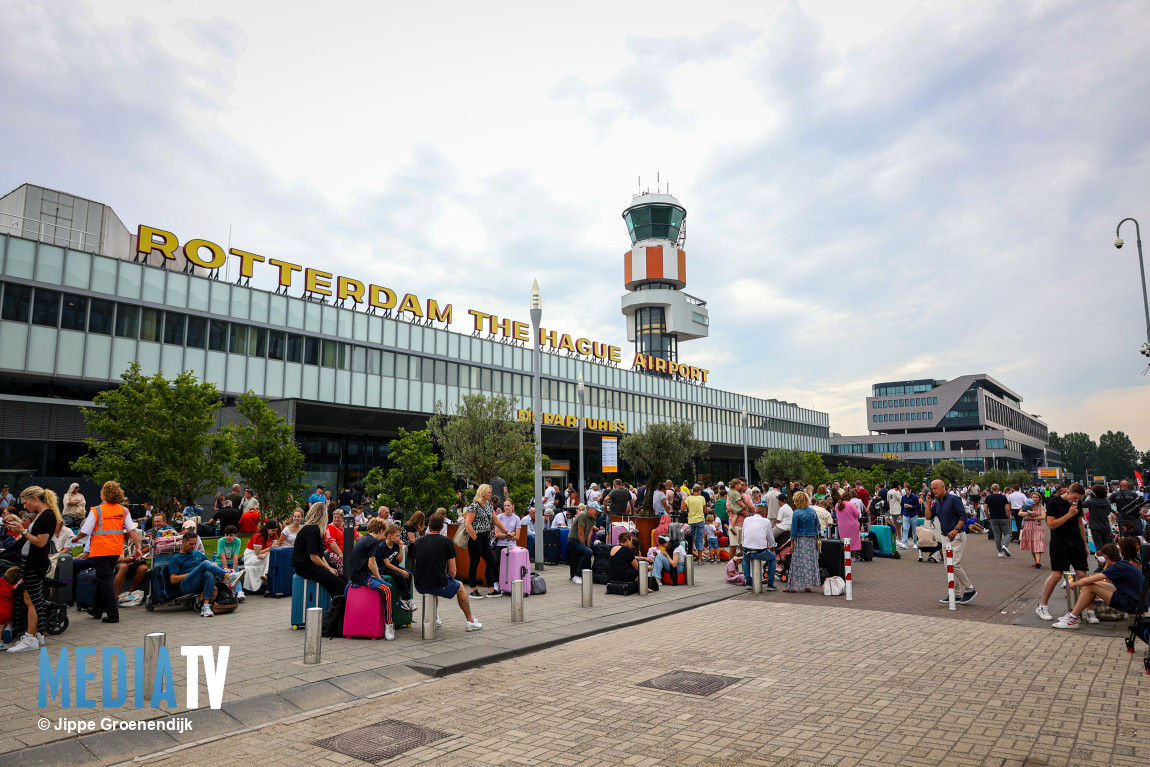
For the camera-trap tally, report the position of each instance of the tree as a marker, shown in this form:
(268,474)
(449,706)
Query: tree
(482,439)
(1079,454)
(1117,456)
(373,483)
(1054,441)
(521,487)
(1021,478)
(1144,464)
(417,481)
(660,448)
(266,457)
(816,472)
(782,465)
(994,476)
(155,437)
(950,472)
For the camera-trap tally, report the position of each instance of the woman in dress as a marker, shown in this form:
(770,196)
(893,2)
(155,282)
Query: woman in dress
(75,507)
(1033,535)
(847,517)
(804,572)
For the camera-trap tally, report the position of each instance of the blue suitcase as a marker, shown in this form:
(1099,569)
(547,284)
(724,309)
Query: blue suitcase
(305,594)
(160,588)
(883,537)
(85,589)
(280,572)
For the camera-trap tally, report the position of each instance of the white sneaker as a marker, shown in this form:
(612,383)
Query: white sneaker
(1067,621)
(1090,616)
(40,637)
(1044,613)
(474,625)
(389,632)
(577,580)
(1006,550)
(27,643)
(206,612)
(1001,555)
(901,545)
(438,621)
(240,596)
(407,604)
(914,545)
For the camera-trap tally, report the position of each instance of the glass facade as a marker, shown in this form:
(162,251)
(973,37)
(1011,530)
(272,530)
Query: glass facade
(651,334)
(654,221)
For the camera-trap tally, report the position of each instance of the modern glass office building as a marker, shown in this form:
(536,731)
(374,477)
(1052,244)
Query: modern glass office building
(973,419)
(77,307)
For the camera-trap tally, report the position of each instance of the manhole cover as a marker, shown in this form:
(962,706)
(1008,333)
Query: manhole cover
(382,740)
(690,682)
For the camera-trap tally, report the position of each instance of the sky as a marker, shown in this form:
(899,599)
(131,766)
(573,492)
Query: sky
(875,191)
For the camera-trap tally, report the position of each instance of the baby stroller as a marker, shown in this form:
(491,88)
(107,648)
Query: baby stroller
(54,621)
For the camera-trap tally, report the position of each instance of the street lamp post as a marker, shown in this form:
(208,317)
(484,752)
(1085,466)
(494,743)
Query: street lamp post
(746,465)
(582,394)
(1142,269)
(537,417)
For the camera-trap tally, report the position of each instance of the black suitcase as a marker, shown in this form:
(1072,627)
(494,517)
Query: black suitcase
(64,594)
(623,588)
(551,547)
(600,562)
(831,558)
(866,554)
(85,589)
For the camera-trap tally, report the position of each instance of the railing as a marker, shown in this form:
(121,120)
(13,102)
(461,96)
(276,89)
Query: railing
(10,223)
(693,300)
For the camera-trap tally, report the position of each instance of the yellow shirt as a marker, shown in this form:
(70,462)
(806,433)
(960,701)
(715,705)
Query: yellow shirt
(696,509)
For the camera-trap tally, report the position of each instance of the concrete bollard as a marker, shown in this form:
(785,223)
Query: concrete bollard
(690,571)
(642,577)
(152,644)
(756,576)
(1071,593)
(950,574)
(587,584)
(427,626)
(517,601)
(313,635)
(848,589)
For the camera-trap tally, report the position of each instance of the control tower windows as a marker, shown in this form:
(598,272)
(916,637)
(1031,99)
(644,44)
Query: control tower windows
(654,222)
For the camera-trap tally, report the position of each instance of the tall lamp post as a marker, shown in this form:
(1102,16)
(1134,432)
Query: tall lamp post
(1142,269)
(537,405)
(746,465)
(582,393)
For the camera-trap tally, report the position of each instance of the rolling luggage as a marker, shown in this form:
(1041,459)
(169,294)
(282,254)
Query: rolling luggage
(883,537)
(623,588)
(305,594)
(674,578)
(551,548)
(831,558)
(724,541)
(160,588)
(617,528)
(866,553)
(363,614)
(514,564)
(280,572)
(86,589)
(600,558)
(564,532)
(65,594)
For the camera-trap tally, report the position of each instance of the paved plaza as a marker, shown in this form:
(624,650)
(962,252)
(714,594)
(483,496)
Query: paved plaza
(892,677)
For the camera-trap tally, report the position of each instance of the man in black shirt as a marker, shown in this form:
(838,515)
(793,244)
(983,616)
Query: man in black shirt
(434,571)
(1067,543)
(998,511)
(226,517)
(236,497)
(619,499)
(346,498)
(1130,523)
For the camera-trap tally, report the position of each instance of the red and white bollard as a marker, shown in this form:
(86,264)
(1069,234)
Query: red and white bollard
(849,589)
(950,573)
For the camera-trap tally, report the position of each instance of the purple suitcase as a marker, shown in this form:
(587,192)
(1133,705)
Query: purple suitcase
(514,564)
(616,529)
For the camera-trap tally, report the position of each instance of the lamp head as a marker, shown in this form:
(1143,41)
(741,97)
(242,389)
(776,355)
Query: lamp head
(580,382)
(1118,243)
(536,297)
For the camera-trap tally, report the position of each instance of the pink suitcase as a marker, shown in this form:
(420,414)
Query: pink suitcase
(363,613)
(616,529)
(514,564)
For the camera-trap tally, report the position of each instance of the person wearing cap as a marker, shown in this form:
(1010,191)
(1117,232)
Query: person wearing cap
(316,497)
(189,526)
(193,572)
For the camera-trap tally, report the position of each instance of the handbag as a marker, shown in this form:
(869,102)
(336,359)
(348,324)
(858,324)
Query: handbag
(461,537)
(538,585)
(834,586)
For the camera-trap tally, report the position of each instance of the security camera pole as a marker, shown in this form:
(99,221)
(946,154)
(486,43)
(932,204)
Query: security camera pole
(1142,268)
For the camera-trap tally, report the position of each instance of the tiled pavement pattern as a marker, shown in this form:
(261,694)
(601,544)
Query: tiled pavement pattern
(825,686)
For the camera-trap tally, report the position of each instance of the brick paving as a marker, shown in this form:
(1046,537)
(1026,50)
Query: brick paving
(826,685)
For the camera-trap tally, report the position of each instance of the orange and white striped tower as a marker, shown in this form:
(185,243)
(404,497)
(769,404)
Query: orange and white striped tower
(659,314)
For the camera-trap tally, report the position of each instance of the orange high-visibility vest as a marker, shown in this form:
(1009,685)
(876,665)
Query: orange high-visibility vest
(108,534)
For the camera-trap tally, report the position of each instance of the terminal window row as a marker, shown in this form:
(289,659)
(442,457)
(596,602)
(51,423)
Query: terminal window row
(879,404)
(932,446)
(892,391)
(20,303)
(919,416)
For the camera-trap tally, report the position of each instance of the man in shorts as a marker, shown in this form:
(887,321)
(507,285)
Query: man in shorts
(1067,543)
(434,571)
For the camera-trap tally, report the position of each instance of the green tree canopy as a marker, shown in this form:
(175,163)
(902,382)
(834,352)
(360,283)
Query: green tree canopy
(782,465)
(816,472)
(950,472)
(1117,456)
(992,476)
(417,482)
(1021,477)
(482,439)
(266,457)
(1079,454)
(660,448)
(156,437)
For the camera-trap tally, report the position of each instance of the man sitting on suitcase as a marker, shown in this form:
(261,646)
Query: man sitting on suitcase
(192,572)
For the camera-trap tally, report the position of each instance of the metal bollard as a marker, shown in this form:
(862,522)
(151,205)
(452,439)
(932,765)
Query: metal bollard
(848,589)
(950,573)
(587,584)
(756,576)
(152,644)
(313,635)
(1071,594)
(427,627)
(690,571)
(642,577)
(517,601)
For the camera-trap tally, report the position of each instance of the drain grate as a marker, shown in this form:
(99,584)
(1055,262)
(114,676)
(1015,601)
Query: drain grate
(690,682)
(381,740)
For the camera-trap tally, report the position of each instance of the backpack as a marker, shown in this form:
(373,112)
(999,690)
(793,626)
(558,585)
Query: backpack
(538,585)
(676,501)
(225,599)
(333,618)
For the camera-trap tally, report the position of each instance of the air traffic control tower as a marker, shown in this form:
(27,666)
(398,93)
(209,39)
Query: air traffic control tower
(659,314)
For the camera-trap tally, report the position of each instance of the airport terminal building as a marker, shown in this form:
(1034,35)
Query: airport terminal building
(346,362)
